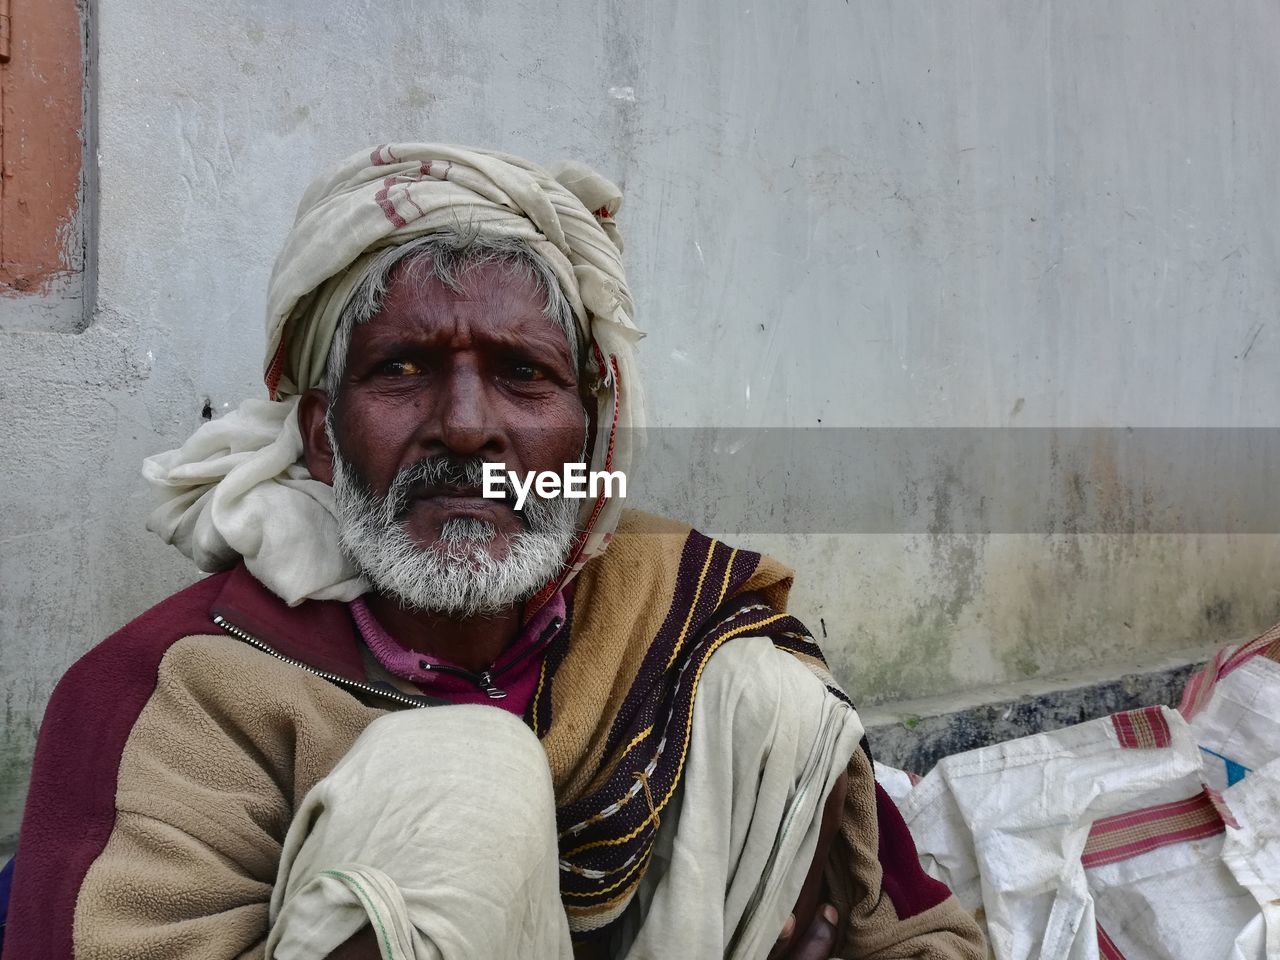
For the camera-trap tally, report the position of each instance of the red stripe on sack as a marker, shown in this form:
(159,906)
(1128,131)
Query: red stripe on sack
(1192,700)
(1107,949)
(1200,687)
(1144,729)
(1130,834)
(1224,811)
(1147,815)
(1135,849)
(1263,645)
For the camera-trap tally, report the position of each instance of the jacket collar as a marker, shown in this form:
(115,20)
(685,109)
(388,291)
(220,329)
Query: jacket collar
(320,633)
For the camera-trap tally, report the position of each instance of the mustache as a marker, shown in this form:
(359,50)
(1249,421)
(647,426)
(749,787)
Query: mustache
(435,473)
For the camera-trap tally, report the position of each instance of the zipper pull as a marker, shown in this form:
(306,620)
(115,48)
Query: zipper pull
(485,683)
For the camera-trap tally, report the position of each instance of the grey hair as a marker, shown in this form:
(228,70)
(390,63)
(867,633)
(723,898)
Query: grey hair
(446,256)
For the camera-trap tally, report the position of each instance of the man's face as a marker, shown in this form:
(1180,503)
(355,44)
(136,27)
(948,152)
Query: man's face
(480,372)
(435,377)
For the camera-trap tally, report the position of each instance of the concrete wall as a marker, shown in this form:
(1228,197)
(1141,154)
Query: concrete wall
(985,213)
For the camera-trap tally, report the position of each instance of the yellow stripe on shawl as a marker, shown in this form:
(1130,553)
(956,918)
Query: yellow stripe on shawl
(684,747)
(639,862)
(693,604)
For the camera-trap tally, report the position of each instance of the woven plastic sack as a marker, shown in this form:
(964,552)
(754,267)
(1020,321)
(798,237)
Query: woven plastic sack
(1136,837)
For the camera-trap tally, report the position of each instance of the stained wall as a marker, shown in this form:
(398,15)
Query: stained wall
(838,215)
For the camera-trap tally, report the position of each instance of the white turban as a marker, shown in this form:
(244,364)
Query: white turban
(238,488)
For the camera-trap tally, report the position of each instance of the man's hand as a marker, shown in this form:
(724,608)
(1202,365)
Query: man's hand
(819,937)
(817,943)
(363,945)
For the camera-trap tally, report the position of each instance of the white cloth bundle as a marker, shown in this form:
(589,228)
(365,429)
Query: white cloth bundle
(270,513)
(238,488)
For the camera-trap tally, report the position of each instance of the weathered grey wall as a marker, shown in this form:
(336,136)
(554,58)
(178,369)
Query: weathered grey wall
(982,213)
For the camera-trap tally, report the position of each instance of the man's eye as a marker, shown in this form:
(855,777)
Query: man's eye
(400,368)
(526,372)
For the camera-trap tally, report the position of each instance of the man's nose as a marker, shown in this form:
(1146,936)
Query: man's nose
(464,415)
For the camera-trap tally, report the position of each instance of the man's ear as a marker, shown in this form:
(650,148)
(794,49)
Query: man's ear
(313,407)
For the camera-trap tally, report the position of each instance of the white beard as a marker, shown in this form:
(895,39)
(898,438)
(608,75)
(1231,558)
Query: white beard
(456,576)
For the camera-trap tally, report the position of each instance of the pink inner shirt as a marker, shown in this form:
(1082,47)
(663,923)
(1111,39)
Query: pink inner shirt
(515,672)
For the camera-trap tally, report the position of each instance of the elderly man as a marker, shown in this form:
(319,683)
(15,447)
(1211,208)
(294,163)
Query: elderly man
(405,719)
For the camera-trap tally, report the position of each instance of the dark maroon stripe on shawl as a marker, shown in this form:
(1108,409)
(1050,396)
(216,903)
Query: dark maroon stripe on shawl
(634,815)
(71,807)
(639,707)
(661,696)
(652,693)
(909,888)
(538,714)
(803,645)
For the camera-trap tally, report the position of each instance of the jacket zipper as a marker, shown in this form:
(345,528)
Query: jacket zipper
(548,632)
(251,640)
(485,679)
(482,680)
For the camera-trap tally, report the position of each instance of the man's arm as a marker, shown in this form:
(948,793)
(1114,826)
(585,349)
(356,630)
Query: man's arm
(70,809)
(179,855)
(889,908)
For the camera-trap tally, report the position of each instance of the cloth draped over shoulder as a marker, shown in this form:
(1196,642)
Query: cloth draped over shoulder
(615,704)
(615,711)
(238,489)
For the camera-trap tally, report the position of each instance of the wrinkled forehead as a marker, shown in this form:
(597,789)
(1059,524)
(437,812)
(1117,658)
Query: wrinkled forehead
(486,302)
